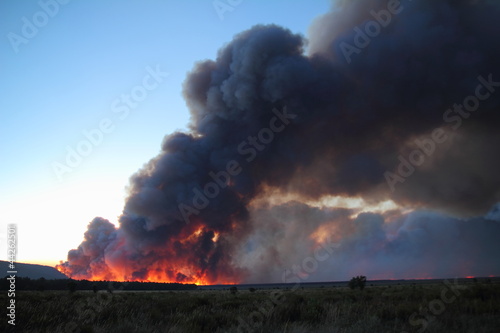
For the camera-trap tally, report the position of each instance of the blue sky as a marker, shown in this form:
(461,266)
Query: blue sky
(63,79)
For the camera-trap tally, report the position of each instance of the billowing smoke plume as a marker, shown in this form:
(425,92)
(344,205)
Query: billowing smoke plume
(391,102)
(338,243)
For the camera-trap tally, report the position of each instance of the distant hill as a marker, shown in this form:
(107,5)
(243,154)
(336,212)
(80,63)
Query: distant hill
(32,271)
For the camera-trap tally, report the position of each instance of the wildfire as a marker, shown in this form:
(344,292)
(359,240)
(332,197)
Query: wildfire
(151,276)
(184,258)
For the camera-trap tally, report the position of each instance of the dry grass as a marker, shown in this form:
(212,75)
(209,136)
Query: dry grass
(375,309)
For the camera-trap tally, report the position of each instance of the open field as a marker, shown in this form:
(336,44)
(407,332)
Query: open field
(448,306)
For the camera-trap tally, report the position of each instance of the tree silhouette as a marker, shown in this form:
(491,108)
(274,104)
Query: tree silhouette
(357,282)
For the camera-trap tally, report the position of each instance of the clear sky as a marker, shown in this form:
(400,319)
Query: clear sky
(64,70)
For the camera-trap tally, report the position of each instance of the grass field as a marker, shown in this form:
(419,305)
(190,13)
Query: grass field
(444,307)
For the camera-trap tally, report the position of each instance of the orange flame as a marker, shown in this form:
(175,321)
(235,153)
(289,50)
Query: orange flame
(173,262)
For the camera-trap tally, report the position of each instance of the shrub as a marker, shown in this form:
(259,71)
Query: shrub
(357,282)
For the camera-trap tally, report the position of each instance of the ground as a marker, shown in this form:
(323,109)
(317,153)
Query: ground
(447,306)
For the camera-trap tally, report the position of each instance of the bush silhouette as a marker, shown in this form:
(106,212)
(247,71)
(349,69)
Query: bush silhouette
(357,282)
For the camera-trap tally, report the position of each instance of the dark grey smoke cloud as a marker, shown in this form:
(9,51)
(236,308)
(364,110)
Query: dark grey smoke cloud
(420,244)
(351,122)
